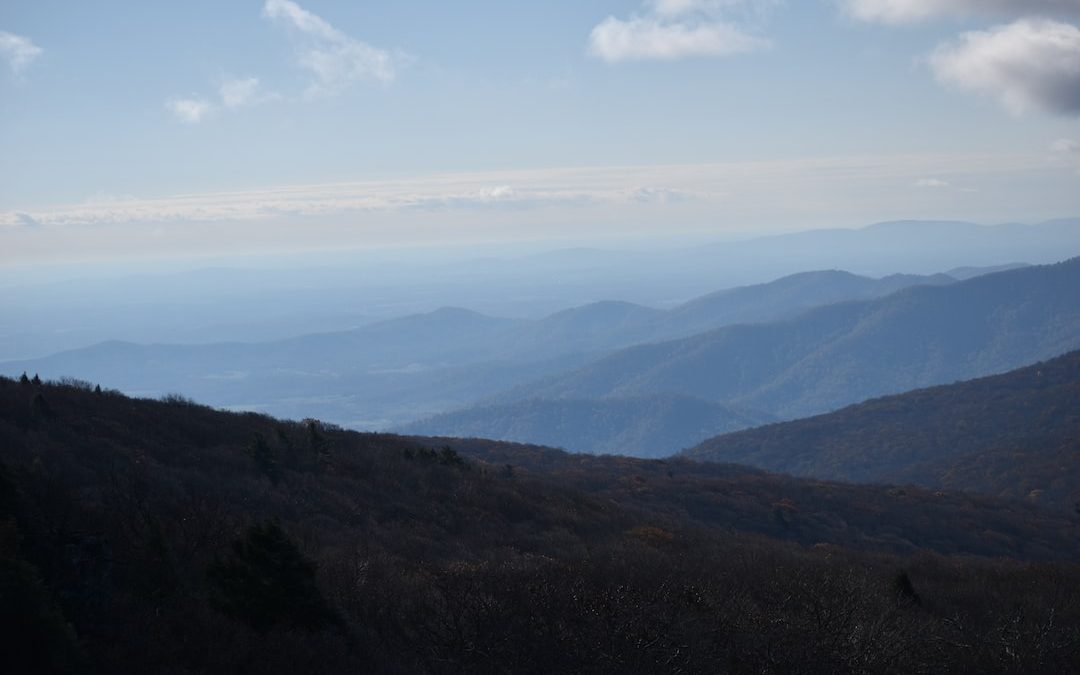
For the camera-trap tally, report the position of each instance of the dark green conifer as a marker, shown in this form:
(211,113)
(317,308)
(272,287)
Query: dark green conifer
(266,581)
(265,458)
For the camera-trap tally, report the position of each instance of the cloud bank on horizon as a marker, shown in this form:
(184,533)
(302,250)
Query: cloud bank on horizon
(608,187)
(735,198)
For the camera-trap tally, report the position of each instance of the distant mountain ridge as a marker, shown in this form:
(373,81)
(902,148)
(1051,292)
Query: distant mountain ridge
(847,352)
(919,246)
(787,297)
(542,407)
(279,296)
(607,325)
(1014,435)
(965,273)
(399,370)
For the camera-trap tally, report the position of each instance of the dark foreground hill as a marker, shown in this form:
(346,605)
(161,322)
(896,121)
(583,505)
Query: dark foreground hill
(163,536)
(1016,435)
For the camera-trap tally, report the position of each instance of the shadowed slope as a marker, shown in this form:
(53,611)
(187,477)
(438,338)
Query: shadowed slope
(1016,434)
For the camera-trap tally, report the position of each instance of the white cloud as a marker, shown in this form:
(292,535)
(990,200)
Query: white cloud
(496,192)
(908,11)
(240,92)
(931,183)
(638,39)
(1065,146)
(676,29)
(334,59)
(665,195)
(469,196)
(189,110)
(235,93)
(1030,64)
(18,51)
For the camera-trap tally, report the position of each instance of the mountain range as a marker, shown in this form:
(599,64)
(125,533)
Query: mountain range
(396,371)
(280,296)
(823,359)
(847,352)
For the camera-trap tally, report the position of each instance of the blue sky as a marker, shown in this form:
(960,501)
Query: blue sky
(142,129)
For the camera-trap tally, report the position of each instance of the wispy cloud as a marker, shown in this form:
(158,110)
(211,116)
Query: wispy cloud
(1030,64)
(18,51)
(909,11)
(232,94)
(936,183)
(674,29)
(1065,152)
(334,59)
(1065,146)
(190,110)
(239,92)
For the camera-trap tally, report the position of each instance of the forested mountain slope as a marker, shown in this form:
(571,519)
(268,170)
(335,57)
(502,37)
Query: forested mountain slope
(1015,434)
(150,536)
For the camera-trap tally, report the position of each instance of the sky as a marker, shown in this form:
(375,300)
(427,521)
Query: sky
(131,129)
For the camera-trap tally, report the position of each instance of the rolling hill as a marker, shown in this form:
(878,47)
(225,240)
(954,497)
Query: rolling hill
(1015,434)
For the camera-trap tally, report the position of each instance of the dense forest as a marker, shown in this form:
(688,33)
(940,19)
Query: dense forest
(164,536)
